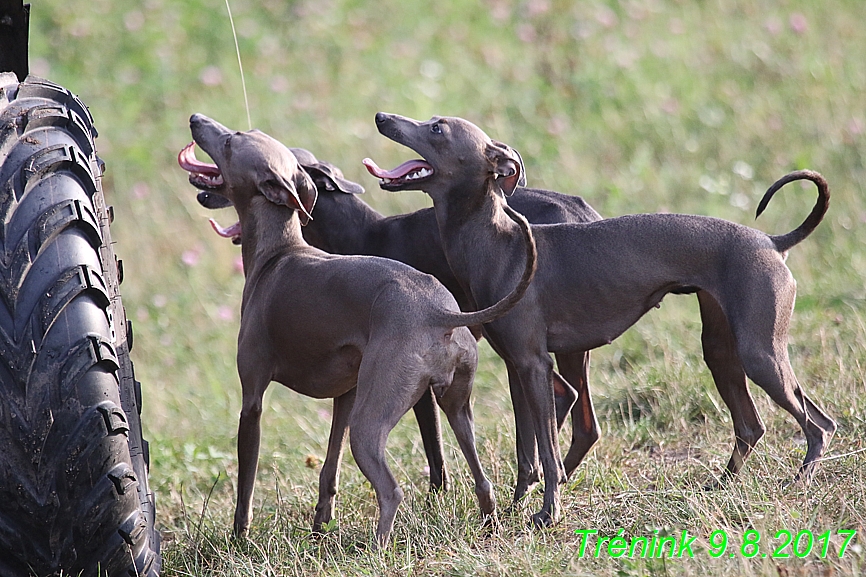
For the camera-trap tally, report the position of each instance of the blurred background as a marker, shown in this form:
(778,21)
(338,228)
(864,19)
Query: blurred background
(636,105)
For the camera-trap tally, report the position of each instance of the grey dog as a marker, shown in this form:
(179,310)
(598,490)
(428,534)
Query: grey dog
(372,333)
(595,280)
(344,224)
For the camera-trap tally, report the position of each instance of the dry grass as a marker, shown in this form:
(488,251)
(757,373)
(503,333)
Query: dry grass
(638,105)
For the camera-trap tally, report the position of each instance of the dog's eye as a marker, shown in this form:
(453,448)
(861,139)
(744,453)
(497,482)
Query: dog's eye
(436,129)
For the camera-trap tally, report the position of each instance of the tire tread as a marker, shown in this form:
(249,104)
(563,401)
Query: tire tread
(74,493)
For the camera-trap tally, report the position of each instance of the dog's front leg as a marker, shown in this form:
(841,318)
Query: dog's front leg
(249,438)
(536,377)
(329,477)
(528,473)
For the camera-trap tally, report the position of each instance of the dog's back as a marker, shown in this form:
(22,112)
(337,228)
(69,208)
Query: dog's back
(344,224)
(311,314)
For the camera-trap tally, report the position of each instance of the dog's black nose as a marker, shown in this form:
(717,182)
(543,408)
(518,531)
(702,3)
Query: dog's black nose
(381,117)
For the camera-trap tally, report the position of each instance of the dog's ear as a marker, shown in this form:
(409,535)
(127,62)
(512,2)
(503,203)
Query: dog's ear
(298,193)
(325,175)
(522,180)
(506,166)
(306,195)
(329,177)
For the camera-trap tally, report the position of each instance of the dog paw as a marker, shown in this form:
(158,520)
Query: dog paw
(803,478)
(525,484)
(240,533)
(490,521)
(712,484)
(542,520)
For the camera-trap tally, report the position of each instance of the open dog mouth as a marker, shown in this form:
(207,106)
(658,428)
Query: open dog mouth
(409,173)
(207,176)
(202,175)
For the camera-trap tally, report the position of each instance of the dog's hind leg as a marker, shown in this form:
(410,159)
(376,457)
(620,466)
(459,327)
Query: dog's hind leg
(763,349)
(427,415)
(585,430)
(828,429)
(564,397)
(721,357)
(455,403)
(329,477)
(368,447)
(777,378)
(384,394)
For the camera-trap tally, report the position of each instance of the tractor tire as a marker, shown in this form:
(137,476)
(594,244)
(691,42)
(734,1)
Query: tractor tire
(74,494)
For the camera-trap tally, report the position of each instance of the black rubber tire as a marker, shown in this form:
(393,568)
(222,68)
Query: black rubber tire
(74,494)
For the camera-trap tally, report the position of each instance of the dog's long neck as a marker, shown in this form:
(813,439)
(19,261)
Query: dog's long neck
(341,223)
(268,229)
(470,225)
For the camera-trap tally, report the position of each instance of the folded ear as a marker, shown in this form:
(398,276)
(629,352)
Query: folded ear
(506,166)
(329,177)
(306,194)
(299,193)
(522,180)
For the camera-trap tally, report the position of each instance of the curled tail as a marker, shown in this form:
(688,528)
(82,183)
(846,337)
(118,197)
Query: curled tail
(784,242)
(495,311)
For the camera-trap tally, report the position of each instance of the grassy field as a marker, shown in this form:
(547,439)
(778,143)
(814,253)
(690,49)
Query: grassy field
(638,105)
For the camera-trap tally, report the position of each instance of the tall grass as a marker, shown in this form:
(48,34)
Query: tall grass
(639,105)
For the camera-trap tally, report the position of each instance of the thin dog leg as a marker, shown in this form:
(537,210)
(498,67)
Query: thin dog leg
(368,448)
(763,350)
(427,415)
(528,473)
(329,477)
(721,357)
(459,413)
(369,434)
(585,430)
(537,380)
(249,437)
(777,378)
(826,427)
(564,397)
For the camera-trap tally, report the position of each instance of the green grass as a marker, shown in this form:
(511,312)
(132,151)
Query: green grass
(640,105)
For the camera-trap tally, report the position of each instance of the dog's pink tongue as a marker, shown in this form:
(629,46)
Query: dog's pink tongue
(232,232)
(398,172)
(187,161)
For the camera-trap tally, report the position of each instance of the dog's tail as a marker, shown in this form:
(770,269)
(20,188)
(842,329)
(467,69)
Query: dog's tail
(784,242)
(493,312)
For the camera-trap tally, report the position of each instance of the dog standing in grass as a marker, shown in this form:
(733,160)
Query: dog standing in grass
(371,333)
(595,280)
